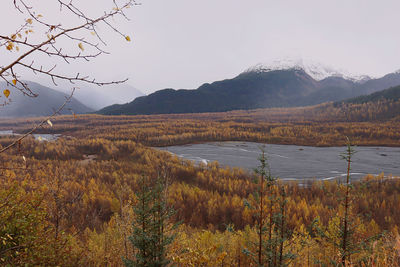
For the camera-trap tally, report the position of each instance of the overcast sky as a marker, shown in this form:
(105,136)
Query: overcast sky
(185,43)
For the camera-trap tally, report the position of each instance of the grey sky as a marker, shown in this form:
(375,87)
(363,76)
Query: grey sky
(184,43)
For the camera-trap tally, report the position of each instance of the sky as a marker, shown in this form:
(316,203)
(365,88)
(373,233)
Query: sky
(185,43)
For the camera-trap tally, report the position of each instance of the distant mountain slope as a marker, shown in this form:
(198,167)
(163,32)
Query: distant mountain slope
(44,104)
(256,88)
(246,91)
(379,106)
(392,94)
(387,81)
(100,97)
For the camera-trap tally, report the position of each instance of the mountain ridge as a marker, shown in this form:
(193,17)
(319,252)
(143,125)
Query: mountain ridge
(253,89)
(44,104)
(315,69)
(391,94)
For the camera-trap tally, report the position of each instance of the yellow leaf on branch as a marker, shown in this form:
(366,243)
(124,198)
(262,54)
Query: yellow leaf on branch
(10,46)
(6,93)
(80,45)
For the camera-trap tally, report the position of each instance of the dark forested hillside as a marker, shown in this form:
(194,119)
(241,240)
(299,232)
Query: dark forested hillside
(392,94)
(379,106)
(252,90)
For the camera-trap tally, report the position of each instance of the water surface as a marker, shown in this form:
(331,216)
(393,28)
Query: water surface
(295,162)
(39,137)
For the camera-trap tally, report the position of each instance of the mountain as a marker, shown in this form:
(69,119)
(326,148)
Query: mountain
(246,91)
(390,94)
(100,97)
(260,87)
(387,81)
(44,104)
(315,69)
(379,106)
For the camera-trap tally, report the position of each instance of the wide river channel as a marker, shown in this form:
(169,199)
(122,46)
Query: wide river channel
(292,162)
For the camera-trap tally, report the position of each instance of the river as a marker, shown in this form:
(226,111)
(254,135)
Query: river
(39,137)
(292,162)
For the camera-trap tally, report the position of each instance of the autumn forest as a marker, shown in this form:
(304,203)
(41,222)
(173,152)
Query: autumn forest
(84,179)
(74,201)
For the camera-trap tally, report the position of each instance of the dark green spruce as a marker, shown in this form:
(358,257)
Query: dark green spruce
(152,227)
(270,219)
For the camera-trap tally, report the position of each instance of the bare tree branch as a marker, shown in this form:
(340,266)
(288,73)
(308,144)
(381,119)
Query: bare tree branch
(44,121)
(20,43)
(54,32)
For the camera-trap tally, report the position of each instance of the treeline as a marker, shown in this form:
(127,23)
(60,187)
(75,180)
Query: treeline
(296,126)
(69,203)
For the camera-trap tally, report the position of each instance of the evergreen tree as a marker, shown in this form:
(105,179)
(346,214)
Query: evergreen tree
(269,207)
(344,231)
(151,226)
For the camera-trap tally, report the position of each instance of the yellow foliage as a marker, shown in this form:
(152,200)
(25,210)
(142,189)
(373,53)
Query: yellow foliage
(6,92)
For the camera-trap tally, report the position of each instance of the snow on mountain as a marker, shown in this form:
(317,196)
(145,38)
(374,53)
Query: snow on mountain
(316,70)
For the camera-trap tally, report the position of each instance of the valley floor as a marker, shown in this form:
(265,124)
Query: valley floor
(69,202)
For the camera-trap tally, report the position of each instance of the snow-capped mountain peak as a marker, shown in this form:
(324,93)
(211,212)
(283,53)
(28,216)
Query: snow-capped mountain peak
(316,70)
